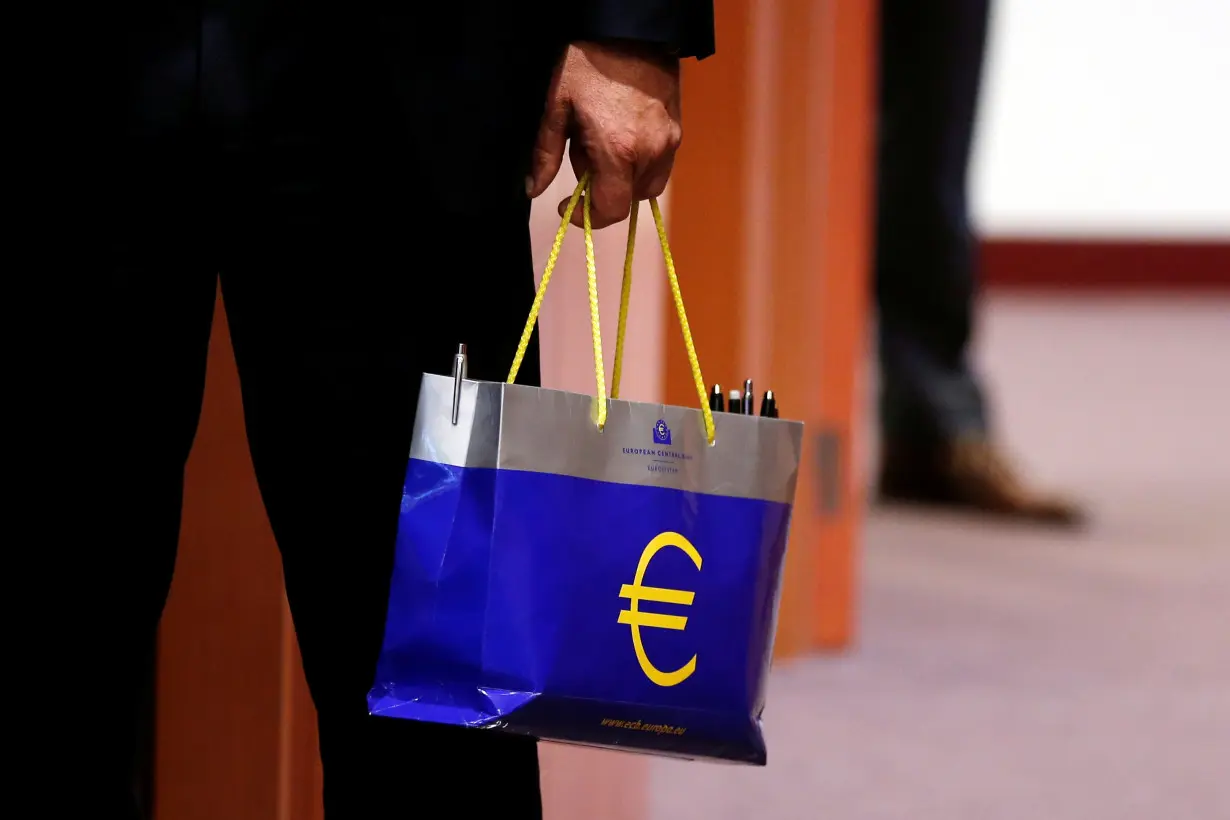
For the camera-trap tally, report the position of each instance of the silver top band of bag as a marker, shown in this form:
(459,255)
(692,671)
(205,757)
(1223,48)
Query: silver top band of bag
(516,427)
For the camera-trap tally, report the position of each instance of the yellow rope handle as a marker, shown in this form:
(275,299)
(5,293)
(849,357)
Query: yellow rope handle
(693,360)
(625,291)
(591,278)
(552,258)
(624,297)
(591,271)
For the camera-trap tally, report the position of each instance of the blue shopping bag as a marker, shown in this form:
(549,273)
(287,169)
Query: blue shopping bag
(588,570)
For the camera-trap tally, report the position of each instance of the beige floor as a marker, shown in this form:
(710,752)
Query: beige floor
(1009,674)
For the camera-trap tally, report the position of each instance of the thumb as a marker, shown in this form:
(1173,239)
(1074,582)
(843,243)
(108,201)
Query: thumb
(549,149)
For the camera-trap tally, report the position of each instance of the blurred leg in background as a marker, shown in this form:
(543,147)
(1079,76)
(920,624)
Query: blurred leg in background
(935,433)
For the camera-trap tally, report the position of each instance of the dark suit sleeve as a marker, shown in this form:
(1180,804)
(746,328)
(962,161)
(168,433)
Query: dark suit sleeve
(683,27)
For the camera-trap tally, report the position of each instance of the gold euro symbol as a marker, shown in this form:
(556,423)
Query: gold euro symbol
(635,592)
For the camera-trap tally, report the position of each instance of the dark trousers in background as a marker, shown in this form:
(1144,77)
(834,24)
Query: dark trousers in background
(362,202)
(931,56)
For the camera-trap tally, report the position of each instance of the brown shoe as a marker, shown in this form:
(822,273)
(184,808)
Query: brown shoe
(971,474)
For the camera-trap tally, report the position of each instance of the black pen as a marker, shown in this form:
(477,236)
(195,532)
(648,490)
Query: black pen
(717,401)
(768,405)
(735,405)
(749,399)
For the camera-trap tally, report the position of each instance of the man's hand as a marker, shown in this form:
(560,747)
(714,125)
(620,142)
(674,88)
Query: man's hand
(620,107)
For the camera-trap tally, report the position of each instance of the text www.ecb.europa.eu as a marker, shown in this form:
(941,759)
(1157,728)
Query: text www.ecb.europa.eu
(656,728)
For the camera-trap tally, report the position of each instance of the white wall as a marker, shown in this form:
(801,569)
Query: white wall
(1105,118)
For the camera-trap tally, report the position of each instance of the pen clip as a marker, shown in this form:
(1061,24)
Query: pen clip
(460,369)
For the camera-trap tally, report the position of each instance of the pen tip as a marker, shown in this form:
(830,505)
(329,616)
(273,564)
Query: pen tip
(461,350)
(768,394)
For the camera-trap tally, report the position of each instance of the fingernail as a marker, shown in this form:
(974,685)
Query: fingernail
(529,186)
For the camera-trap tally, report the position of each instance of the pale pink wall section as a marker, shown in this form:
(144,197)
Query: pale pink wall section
(567,350)
(578,783)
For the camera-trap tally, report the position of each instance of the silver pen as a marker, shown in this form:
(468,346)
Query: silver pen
(460,369)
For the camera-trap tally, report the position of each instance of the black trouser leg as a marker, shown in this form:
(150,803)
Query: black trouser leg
(122,324)
(931,57)
(340,295)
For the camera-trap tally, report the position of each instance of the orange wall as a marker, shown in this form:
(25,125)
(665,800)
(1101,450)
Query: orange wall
(770,221)
(235,726)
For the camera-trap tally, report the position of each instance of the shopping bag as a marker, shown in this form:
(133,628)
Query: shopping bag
(589,570)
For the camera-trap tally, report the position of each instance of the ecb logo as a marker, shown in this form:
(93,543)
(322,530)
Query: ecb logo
(636,592)
(661,433)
